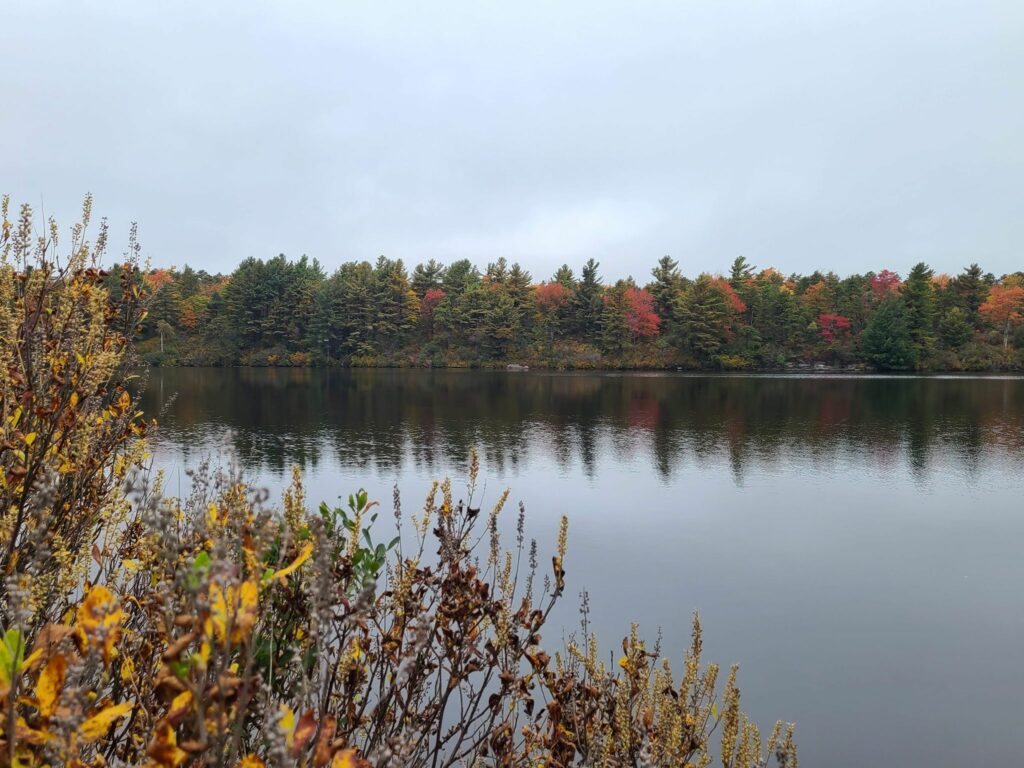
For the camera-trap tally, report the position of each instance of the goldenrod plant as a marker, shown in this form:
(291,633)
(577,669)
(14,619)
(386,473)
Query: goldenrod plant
(217,630)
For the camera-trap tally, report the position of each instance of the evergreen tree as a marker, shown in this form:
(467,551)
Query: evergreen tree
(396,304)
(740,271)
(517,287)
(564,276)
(164,307)
(972,287)
(954,330)
(615,331)
(703,315)
(563,320)
(667,283)
(497,272)
(458,278)
(886,341)
(588,303)
(427,276)
(501,324)
(188,281)
(220,338)
(248,297)
(354,310)
(919,300)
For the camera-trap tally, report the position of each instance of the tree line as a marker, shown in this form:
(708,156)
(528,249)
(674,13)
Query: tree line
(291,312)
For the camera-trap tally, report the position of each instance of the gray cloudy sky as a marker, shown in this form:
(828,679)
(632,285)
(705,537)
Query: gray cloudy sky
(849,135)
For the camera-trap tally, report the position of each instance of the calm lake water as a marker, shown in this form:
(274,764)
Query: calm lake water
(857,544)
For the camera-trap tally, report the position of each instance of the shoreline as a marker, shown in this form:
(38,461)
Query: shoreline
(795,370)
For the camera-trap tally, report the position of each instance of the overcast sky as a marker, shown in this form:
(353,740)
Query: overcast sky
(848,135)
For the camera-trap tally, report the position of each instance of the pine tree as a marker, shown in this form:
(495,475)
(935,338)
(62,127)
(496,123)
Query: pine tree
(459,277)
(702,313)
(587,303)
(972,287)
(919,300)
(396,304)
(497,272)
(886,341)
(518,289)
(667,283)
(954,330)
(615,333)
(740,272)
(427,276)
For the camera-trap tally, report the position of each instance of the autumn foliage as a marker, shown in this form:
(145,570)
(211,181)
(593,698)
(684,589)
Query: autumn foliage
(550,296)
(641,318)
(1004,308)
(885,283)
(831,326)
(215,630)
(733,301)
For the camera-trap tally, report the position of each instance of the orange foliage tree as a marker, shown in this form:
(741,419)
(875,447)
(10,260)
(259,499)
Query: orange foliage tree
(1003,308)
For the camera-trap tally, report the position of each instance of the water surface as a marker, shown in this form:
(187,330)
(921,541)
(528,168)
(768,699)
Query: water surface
(855,543)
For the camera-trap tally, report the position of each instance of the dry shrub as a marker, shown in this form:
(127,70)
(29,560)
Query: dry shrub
(215,630)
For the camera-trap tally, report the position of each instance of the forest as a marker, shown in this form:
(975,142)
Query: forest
(282,312)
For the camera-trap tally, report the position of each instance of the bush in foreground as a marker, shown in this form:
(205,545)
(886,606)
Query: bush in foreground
(214,630)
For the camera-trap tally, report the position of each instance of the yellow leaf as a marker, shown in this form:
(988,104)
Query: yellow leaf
(96,726)
(99,618)
(33,658)
(30,735)
(234,606)
(180,707)
(124,401)
(251,761)
(74,399)
(287,723)
(307,550)
(127,669)
(50,684)
(346,758)
(30,438)
(164,748)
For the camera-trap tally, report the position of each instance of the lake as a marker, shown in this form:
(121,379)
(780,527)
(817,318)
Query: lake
(855,543)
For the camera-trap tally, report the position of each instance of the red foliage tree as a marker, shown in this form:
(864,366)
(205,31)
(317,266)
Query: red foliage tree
(641,318)
(832,326)
(735,303)
(884,283)
(550,296)
(431,299)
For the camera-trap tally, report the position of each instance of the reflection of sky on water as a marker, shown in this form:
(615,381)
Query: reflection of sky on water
(854,542)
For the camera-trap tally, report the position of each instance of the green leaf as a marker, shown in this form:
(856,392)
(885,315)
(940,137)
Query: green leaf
(12,654)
